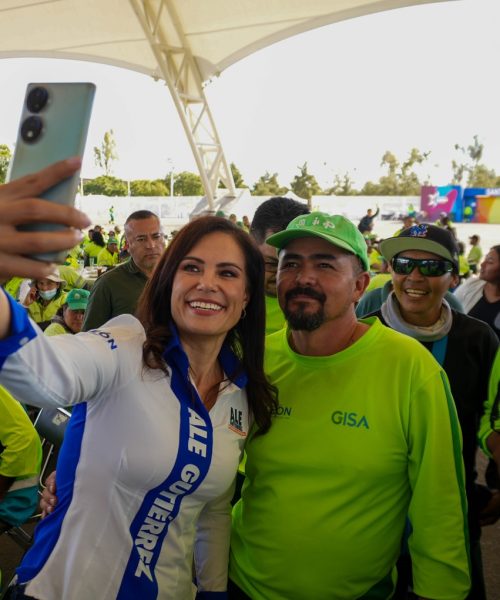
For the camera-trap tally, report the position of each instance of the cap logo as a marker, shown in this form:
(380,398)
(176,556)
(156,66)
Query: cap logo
(419,230)
(300,223)
(329,225)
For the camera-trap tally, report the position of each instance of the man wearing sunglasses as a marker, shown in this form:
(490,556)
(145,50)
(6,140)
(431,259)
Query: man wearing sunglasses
(424,265)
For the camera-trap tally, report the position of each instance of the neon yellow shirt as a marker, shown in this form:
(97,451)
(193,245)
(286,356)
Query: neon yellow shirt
(349,455)
(21,458)
(40,313)
(105,258)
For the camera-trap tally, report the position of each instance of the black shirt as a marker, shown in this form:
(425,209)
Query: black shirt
(470,353)
(489,312)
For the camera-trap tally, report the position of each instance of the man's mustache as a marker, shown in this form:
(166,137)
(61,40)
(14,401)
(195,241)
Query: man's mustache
(305,291)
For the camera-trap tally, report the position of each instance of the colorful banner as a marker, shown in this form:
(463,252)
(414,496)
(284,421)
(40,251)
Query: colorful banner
(434,201)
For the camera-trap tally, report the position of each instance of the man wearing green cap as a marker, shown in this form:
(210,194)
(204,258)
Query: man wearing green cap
(366,433)
(108,256)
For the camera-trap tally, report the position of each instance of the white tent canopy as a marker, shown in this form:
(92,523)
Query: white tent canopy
(185,42)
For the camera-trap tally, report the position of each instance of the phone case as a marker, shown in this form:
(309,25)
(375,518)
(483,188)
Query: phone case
(65,119)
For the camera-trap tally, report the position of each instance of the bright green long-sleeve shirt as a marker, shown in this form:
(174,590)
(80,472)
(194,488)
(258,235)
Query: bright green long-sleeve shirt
(361,440)
(20,459)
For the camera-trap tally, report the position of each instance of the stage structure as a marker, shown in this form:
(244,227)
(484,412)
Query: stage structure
(184,42)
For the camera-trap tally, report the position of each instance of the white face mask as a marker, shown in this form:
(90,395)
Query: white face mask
(48,294)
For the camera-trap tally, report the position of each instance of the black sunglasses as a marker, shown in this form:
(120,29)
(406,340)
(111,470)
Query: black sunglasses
(428,267)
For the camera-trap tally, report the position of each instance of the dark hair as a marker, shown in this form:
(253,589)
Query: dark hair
(275,214)
(496,249)
(247,337)
(98,239)
(140,215)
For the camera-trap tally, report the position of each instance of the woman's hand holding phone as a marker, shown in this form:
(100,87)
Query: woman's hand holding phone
(20,204)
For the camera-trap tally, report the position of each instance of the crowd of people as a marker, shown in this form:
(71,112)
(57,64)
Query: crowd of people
(351,417)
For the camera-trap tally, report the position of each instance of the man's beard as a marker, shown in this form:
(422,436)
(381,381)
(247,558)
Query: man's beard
(302,319)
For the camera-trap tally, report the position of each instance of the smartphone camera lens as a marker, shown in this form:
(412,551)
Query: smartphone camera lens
(31,129)
(37,99)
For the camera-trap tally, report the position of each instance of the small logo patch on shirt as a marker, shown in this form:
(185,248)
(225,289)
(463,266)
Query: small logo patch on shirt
(350,419)
(282,411)
(235,421)
(106,336)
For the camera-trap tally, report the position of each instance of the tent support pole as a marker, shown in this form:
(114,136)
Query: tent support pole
(184,81)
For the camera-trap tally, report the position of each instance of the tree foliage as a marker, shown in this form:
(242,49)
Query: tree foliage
(105,154)
(105,185)
(146,187)
(469,167)
(185,184)
(483,177)
(342,186)
(304,184)
(5,156)
(237,178)
(401,179)
(268,185)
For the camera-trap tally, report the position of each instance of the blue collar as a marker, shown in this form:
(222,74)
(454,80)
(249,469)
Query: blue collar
(175,356)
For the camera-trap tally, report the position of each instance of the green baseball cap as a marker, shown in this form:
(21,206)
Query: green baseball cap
(77,299)
(335,229)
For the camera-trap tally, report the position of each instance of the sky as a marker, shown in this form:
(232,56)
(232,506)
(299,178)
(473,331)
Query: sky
(337,97)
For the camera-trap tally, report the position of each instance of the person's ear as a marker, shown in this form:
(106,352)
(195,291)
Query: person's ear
(362,281)
(454,280)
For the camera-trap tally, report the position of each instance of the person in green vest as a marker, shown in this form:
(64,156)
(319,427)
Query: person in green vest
(13,286)
(73,278)
(408,221)
(74,257)
(20,459)
(272,216)
(475,253)
(463,265)
(108,256)
(45,298)
(69,318)
(94,247)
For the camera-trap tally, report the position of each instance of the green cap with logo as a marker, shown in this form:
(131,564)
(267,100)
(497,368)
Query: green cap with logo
(335,229)
(77,299)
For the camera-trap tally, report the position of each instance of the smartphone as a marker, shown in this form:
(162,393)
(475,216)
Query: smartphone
(54,124)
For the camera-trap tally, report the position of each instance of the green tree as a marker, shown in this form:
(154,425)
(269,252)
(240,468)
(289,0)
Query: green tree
(342,186)
(145,187)
(185,184)
(482,177)
(105,154)
(401,179)
(237,177)
(105,185)
(409,182)
(469,169)
(5,156)
(268,185)
(305,184)
(370,189)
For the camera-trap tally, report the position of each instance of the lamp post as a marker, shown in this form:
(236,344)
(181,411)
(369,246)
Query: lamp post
(171,164)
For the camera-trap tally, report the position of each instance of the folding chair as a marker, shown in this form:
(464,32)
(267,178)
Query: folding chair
(51,424)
